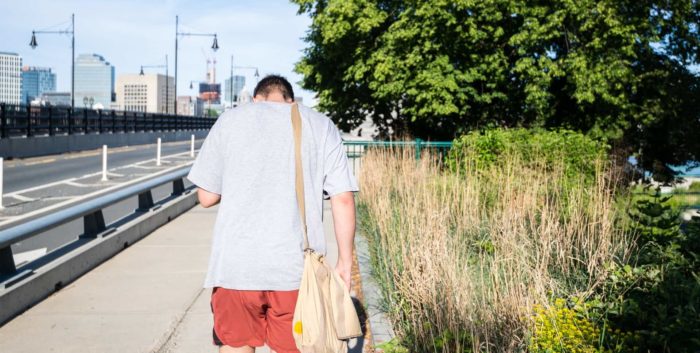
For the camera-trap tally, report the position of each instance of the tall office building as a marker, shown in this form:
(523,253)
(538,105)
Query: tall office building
(235,89)
(55,99)
(94,81)
(187,105)
(152,93)
(36,81)
(10,79)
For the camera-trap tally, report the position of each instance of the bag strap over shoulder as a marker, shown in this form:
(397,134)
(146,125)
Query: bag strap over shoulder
(299,171)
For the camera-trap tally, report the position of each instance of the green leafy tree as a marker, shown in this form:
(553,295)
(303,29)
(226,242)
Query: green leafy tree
(614,69)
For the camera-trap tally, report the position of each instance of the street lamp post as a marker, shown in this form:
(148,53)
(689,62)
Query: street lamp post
(166,80)
(214,46)
(230,83)
(34,44)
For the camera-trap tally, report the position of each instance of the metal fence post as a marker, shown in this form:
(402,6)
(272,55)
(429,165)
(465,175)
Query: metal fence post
(85,122)
(70,121)
(3,120)
(418,148)
(29,121)
(99,121)
(51,121)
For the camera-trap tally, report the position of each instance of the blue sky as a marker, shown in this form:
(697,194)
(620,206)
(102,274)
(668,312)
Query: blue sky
(129,33)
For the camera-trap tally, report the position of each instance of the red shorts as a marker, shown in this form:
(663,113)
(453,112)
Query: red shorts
(253,318)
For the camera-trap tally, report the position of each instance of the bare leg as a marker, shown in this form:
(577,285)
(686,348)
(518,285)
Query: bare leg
(229,349)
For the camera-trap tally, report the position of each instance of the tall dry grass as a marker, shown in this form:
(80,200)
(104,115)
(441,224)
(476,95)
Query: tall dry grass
(462,257)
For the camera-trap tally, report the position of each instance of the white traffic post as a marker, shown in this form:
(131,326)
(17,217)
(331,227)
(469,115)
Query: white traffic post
(158,153)
(104,162)
(1,181)
(192,146)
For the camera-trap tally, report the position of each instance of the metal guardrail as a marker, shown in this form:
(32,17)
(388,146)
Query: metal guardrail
(91,211)
(27,121)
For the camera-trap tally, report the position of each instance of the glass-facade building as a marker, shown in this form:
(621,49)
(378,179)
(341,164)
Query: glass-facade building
(235,90)
(94,81)
(36,81)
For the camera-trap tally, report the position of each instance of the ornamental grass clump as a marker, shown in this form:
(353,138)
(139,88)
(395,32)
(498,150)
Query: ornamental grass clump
(464,258)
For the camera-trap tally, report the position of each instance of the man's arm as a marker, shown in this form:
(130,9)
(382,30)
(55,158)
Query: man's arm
(206,198)
(343,209)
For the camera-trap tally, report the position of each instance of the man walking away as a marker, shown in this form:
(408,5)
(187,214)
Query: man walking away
(247,164)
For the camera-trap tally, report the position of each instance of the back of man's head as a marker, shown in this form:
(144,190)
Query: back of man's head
(272,84)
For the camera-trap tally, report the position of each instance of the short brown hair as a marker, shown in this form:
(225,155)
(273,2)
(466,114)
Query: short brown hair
(272,83)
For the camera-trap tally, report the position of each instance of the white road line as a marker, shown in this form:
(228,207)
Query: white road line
(28,256)
(72,183)
(22,198)
(97,192)
(60,198)
(39,187)
(146,167)
(101,183)
(65,181)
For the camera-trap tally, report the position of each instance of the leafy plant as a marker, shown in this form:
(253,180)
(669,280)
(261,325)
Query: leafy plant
(578,153)
(565,328)
(658,296)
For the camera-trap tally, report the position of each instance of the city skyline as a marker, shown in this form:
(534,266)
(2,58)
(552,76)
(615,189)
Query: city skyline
(266,35)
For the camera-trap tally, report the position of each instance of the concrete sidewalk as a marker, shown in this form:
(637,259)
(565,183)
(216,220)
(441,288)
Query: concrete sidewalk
(148,298)
(134,302)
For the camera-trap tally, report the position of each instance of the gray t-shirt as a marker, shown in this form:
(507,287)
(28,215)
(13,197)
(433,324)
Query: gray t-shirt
(248,158)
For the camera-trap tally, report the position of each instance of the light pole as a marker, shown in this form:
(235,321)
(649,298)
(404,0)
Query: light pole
(230,83)
(34,44)
(214,46)
(195,99)
(166,80)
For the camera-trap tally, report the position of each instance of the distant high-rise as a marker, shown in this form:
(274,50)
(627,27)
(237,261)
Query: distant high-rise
(56,99)
(238,83)
(10,79)
(187,105)
(145,93)
(36,81)
(94,81)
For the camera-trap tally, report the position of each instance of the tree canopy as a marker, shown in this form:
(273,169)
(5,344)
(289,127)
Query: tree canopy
(617,70)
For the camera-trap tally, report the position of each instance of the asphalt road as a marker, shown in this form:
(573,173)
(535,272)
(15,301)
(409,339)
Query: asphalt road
(21,174)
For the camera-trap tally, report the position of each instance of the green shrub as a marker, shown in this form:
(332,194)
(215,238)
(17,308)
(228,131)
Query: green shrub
(694,186)
(578,152)
(564,328)
(658,296)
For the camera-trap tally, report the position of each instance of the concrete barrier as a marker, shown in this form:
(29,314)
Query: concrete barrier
(66,264)
(23,147)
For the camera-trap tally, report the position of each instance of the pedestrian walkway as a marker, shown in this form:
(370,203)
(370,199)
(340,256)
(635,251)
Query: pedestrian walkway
(148,298)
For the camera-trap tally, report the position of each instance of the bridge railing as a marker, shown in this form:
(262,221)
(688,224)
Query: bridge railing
(27,121)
